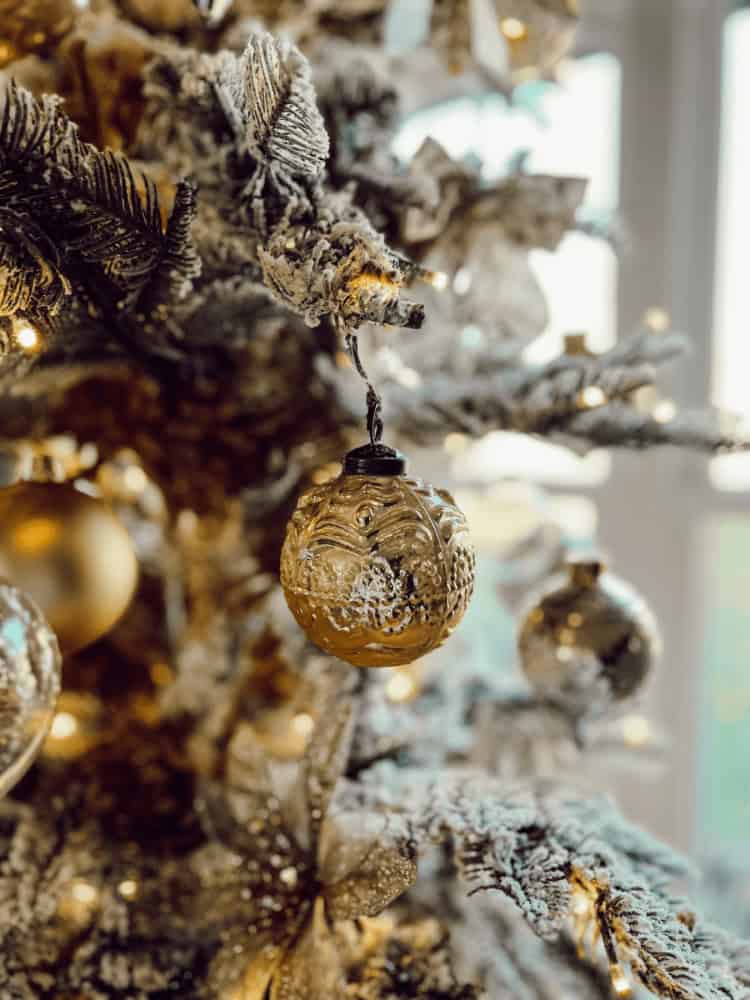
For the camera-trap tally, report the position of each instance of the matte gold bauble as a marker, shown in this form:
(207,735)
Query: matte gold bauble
(71,554)
(29,682)
(376,567)
(587,640)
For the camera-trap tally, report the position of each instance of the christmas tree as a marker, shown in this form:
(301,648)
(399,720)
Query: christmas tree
(213,269)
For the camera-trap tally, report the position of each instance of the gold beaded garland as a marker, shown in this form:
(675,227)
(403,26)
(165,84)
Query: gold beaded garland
(587,640)
(377,567)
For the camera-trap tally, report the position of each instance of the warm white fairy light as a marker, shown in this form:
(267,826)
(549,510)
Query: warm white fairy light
(581,904)
(635,730)
(303,724)
(438,279)
(408,377)
(84,892)
(591,397)
(462,281)
(63,726)
(128,888)
(27,337)
(135,479)
(513,28)
(664,411)
(400,687)
(657,319)
(620,982)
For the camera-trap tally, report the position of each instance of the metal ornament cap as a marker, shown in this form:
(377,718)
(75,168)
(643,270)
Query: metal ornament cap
(374,460)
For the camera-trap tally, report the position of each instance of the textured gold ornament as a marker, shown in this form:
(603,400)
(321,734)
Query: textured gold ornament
(71,554)
(588,640)
(29,682)
(377,568)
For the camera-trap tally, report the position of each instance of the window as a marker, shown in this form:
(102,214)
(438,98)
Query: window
(569,129)
(731,346)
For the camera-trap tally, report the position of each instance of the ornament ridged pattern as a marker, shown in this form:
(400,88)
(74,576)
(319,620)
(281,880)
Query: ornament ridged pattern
(377,570)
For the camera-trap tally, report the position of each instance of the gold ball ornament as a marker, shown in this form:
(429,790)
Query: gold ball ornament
(587,640)
(29,682)
(377,567)
(70,552)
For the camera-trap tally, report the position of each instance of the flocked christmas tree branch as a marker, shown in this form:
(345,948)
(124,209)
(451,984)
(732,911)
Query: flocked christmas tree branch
(177,311)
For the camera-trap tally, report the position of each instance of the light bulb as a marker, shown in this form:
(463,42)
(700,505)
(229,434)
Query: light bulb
(400,687)
(513,29)
(128,888)
(63,726)
(591,397)
(27,338)
(620,983)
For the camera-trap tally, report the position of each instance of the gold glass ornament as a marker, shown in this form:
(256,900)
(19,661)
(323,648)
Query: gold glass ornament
(32,26)
(71,554)
(29,682)
(587,640)
(376,567)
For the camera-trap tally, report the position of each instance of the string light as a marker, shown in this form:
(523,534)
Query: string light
(135,479)
(408,377)
(128,888)
(664,411)
(76,728)
(635,730)
(400,687)
(79,902)
(438,279)
(591,397)
(27,338)
(581,905)
(462,281)
(657,319)
(303,724)
(84,892)
(513,29)
(620,983)
(63,726)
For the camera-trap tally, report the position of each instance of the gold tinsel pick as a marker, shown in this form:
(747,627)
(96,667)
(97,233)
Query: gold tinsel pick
(292,866)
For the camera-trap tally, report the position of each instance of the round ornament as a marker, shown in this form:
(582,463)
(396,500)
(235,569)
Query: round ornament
(587,640)
(71,554)
(29,682)
(377,567)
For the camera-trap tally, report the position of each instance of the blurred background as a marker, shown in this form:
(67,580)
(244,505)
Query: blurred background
(653,112)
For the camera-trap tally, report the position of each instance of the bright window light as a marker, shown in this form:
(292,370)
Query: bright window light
(732,306)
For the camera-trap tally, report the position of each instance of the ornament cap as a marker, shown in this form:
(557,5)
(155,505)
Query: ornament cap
(575,345)
(374,460)
(585,572)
